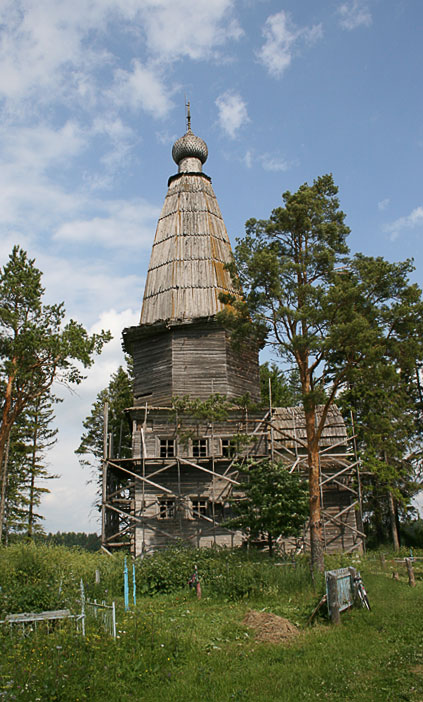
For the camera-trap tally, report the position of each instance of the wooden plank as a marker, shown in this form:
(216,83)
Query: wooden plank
(28,617)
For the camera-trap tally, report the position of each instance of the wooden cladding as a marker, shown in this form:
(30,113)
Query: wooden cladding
(190,359)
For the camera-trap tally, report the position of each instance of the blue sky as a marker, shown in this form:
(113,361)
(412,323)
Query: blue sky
(92,98)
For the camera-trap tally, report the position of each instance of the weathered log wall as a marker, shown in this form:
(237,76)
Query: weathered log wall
(187,478)
(191,359)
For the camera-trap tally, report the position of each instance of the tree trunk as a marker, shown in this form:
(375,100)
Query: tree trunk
(4,458)
(392,513)
(6,424)
(316,542)
(393,521)
(270,543)
(30,531)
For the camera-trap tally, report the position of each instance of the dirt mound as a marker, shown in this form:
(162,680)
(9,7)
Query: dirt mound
(270,627)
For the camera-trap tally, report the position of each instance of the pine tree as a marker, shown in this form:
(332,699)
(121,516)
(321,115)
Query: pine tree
(118,396)
(321,309)
(383,400)
(36,347)
(31,438)
(286,390)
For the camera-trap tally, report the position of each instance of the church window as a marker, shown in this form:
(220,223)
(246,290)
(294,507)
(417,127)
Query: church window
(228,448)
(199,448)
(167,448)
(199,508)
(166,509)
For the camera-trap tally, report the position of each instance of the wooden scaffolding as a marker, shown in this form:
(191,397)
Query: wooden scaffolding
(174,491)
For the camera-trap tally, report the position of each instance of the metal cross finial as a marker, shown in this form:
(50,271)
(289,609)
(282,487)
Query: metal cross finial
(187,105)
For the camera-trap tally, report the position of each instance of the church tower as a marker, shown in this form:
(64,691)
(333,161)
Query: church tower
(179,348)
(188,454)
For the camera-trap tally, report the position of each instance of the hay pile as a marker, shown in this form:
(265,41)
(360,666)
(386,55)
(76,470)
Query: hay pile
(269,627)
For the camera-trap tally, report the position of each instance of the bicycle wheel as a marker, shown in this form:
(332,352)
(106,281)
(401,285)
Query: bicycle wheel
(363,597)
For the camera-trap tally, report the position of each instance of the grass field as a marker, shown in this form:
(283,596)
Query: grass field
(173,646)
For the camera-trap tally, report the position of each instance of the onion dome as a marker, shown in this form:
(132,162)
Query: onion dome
(189,146)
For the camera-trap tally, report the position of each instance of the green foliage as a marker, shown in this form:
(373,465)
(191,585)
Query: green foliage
(89,542)
(190,413)
(228,573)
(215,407)
(286,390)
(119,397)
(31,437)
(382,399)
(411,531)
(35,577)
(322,309)
(37,347)
(274,503)
(171,645)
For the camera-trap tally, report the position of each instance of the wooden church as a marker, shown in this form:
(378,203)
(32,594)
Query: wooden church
(186,466)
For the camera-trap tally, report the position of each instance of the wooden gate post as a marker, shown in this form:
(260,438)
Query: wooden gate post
(333,599)
(411,579)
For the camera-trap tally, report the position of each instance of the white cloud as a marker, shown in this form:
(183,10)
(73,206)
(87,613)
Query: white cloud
(36,148)
(142,87)
(34,161)
(43,41)
(54,52)
(411,221)
(69,506)
(35,200)
(248,159)
(121,137)
(126,224)
(353,14)
(269,162)
(383,204)
(232,112)
(189,29)
(274,163)
(88,286)
(281,39)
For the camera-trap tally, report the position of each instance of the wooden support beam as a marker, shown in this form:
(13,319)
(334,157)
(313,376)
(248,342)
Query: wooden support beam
(141,478)
(211,472)
(143,522)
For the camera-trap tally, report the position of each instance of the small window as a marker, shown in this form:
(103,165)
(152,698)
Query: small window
(199,508)
(166,509)
(199,448)
(167,448)
(228,448)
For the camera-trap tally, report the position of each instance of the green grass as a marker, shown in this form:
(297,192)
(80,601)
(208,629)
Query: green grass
(174,647)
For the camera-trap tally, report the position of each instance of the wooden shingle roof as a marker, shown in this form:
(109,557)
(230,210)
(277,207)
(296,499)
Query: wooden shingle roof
(291,423)
(191,246)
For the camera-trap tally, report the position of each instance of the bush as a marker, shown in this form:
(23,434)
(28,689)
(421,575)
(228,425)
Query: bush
(39,577)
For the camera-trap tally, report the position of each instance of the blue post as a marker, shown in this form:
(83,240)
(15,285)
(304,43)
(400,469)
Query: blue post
(125,586)
(81,585)
(134,589)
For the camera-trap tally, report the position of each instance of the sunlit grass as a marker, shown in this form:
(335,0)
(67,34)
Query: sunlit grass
(174,646)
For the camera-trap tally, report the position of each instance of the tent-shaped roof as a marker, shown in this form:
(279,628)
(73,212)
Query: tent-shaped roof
(191,245)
